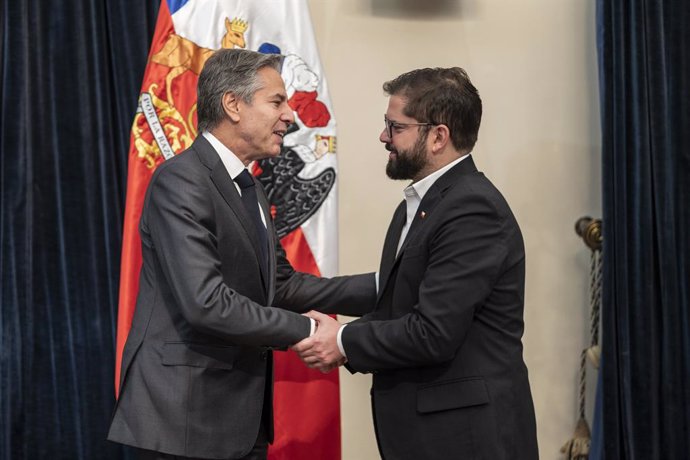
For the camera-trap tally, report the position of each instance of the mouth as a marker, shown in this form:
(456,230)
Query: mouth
(280,135)
(392,153)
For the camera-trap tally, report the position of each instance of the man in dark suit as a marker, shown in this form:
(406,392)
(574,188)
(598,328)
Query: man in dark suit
(444,341)
(196,378)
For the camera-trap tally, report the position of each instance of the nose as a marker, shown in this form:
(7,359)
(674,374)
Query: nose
(383,137)
(288,116)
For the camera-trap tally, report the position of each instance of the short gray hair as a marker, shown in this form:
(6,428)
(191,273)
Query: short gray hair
(229,71)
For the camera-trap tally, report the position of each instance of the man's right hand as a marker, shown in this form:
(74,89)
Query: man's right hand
(321,351)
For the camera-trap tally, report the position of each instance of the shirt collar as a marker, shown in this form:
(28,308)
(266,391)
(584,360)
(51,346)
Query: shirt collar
(232,164)
(422,186)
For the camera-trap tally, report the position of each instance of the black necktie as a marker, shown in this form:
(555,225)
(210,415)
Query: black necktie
(251,204)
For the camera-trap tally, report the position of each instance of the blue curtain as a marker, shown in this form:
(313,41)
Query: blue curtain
(70,73)
(645,95)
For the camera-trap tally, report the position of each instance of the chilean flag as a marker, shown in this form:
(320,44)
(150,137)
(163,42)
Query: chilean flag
(306,402)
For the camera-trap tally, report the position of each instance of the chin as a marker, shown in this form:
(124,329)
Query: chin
(272,149)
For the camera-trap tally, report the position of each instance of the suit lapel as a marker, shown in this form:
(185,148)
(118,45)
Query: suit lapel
(225,185)
(426,208)
(434,196)
(390,245)
(270,230)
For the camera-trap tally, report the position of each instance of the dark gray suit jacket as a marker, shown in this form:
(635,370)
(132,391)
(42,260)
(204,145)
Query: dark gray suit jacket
(196,367)
(444,342)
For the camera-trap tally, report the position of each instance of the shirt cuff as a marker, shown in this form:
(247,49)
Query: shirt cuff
(340,341)
(376,278)
(312,326)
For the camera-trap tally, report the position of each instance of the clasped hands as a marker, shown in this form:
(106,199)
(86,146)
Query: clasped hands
(320,351)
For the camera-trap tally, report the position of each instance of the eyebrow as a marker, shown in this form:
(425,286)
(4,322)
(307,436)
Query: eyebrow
(280,96)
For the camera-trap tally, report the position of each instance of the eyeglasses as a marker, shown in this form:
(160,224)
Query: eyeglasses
(390,124)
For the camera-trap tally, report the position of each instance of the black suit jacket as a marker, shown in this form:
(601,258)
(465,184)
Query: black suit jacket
(196,367)
(444,342)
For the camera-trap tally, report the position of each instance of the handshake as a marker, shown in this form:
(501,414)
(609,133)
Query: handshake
(321,351)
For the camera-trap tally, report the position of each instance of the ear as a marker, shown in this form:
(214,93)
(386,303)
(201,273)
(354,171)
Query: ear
(227,24)
(439,138)
(231,107)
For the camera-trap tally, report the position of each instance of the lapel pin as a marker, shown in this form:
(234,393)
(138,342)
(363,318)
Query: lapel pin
(422,215)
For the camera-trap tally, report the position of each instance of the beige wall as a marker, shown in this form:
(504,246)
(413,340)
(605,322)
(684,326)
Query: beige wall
(534,63)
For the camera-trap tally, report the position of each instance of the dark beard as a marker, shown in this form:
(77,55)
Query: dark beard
(407,163)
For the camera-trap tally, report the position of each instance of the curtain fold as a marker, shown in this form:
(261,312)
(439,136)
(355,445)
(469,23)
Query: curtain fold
(644,56)
(69,74)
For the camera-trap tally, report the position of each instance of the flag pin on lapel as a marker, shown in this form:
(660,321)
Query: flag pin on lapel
(422,215)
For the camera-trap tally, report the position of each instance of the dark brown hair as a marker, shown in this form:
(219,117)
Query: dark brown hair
(441,96)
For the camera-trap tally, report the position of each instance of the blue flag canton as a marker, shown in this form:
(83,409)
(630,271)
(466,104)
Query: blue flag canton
(174,5)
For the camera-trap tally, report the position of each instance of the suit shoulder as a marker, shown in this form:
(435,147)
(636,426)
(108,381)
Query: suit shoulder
(475,195)
(470,186)
(181,178)
(477,186)
(182,165)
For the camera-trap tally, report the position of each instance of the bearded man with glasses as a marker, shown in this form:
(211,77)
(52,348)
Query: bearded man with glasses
(444,341)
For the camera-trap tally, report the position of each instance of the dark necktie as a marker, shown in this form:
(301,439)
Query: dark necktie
(251,204)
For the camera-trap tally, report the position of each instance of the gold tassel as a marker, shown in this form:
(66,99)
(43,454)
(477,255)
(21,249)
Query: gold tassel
(594,355)
(577,448)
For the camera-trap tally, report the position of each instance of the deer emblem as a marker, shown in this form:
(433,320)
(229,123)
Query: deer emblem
(181,54)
